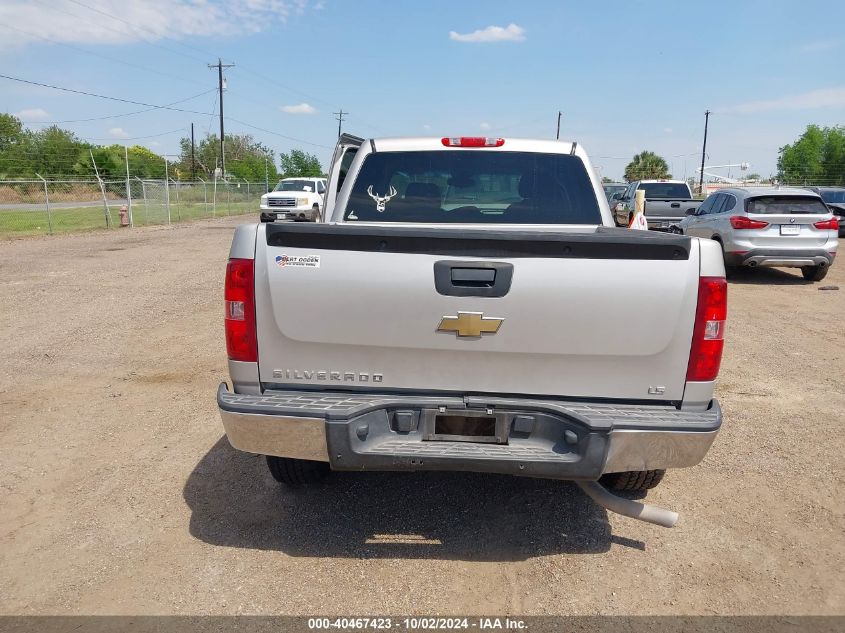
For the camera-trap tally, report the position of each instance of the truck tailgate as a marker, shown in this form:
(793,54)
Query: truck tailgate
(660,208)
(600,315)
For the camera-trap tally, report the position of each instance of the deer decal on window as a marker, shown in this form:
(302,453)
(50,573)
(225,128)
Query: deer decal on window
(381,201)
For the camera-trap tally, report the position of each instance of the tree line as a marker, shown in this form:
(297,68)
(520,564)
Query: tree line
(817,157)
(53,152)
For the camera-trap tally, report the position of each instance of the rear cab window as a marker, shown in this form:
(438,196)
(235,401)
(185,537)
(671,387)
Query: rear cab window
(785,205)
(473,187)
(656,190)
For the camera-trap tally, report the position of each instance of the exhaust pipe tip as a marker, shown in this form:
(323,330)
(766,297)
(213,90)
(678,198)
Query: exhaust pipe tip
(627,507)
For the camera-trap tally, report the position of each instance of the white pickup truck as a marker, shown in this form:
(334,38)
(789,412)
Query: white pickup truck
(459,310)
(297,199)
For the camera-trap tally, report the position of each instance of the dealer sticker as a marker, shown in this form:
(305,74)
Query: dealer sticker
(298,261)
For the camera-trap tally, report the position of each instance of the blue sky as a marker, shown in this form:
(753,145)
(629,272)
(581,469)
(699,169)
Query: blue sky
(628,76)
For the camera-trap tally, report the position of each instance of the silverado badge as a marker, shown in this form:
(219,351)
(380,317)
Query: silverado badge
(470,324)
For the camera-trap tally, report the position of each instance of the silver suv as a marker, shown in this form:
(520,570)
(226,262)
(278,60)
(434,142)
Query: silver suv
(767,226)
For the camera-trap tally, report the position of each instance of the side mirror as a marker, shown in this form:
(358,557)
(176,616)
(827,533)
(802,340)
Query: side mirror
(691,211)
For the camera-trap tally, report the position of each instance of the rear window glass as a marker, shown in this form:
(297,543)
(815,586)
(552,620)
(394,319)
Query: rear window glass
(785,205)
(474,187)
(833,197)
(665,190)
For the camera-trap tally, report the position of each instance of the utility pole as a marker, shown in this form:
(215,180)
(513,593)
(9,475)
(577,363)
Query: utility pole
(220,66)
(193,163)
(703,151)
(559,113)
(339,117)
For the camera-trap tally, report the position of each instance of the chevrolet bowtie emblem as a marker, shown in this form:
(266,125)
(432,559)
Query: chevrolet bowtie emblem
(470,324)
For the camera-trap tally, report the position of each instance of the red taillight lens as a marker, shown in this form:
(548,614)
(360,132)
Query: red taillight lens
(741,222)
(239,297)
(831,224)
(708,334)
(472,141)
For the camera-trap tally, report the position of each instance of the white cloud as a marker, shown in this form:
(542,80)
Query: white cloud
(426,126)
(821,98)
(819,46)
(118,132)
(667,130)
(509,33)
(140,20)
(299,108)
(484,125)
(33,114)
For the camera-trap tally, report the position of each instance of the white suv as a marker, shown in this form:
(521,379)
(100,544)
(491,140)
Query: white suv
(298,199)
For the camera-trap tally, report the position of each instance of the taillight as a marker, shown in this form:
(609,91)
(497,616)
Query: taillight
(239,298)
(831,224)
(708,334)
(742,222)
(472,141)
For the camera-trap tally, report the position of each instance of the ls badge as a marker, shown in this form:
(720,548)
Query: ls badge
(470,324)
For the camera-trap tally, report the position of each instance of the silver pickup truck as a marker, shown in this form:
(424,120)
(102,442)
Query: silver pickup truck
(459,310)
(667,202)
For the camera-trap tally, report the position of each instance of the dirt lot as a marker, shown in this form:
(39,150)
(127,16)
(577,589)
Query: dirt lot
(120,494)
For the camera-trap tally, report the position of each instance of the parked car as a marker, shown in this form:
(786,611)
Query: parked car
(666,203)
(765,226)
(611,188)
(479,282)
(834,198)
(614,201)
(298,199)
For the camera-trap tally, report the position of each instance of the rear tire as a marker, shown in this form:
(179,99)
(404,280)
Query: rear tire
(632,481)
(730,269)
(814,273)
(296,472)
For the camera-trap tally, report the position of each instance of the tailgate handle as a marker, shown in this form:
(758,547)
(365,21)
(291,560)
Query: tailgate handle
(474,277)
(676,205)
(454,278)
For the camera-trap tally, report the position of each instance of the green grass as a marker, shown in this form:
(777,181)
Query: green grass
(17,223)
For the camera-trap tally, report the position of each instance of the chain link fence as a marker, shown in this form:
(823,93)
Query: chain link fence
(33,207)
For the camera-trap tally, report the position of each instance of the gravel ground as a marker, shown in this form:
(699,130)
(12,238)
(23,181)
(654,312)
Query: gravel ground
(120,495)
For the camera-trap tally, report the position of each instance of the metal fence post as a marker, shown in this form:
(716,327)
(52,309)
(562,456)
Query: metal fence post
(214,196)
(128,189)
(167,190)
(204,194)
(144,195)
(102,190)
(47,201)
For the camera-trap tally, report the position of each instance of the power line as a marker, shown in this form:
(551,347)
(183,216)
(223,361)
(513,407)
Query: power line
(100,55)
(136,27)
(211,118)
(134,138)
(285,136)
(92,94)
(117,116)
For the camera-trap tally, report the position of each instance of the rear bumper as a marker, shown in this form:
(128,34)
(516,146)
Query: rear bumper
(544,438)
(661,223)
(780,257)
